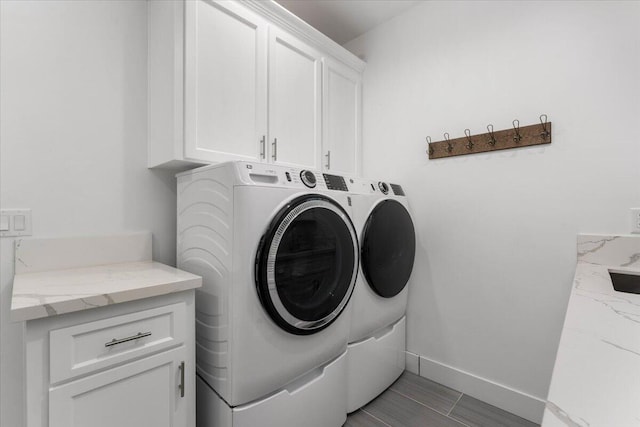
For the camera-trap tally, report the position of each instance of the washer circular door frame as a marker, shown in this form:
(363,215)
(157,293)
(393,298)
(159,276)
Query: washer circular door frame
(265,266)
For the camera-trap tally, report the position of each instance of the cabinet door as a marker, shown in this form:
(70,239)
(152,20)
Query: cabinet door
(341,118)
(140,394)
(294,101)
(225,82)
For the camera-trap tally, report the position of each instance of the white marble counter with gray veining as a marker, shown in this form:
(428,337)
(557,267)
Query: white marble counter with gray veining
(50,293)
(596,378)
(62,275)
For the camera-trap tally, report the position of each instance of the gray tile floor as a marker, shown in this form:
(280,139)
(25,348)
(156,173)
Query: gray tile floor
(414,401)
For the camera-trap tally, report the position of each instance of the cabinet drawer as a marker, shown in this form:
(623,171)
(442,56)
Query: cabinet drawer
(88,347)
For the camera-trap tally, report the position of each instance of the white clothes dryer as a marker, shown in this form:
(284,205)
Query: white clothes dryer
(377,337)
(279,258)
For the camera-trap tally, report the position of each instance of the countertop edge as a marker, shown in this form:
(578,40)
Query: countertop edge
(84,302)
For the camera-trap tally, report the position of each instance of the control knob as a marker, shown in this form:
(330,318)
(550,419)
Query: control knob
(308,178)
(383,187)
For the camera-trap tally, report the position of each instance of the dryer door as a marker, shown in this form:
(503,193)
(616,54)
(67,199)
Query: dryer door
(306,264)
(388,248)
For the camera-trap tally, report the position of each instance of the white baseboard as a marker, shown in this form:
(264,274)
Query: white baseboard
(517,402)
(412,362)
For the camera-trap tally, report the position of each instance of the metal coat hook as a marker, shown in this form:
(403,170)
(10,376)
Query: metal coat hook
(543,122)
(469,143)
(492,139)
(430,150)
(449,146)
(516,127)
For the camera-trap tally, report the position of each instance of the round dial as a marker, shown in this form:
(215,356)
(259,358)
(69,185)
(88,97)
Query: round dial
(383,187)
(308,178)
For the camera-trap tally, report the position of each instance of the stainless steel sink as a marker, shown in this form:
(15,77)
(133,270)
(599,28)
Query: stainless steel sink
(625,281)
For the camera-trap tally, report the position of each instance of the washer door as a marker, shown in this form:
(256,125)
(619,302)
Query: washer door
(306,265)
(388,248)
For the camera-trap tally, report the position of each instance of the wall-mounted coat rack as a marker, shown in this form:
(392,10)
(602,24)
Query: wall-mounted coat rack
(492,140)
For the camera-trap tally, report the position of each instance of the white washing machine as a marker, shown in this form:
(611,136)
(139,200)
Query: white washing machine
(279,258)
(377,338)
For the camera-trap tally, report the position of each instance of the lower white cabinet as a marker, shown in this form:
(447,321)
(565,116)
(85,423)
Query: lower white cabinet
(142,393)
(124,365)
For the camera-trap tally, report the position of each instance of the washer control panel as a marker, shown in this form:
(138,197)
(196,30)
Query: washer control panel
(397,190)
(267,175)
(335,182)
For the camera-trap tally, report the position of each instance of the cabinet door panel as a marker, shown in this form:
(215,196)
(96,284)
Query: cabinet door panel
(294,101)
(341,115)
(225,81)
(139,394)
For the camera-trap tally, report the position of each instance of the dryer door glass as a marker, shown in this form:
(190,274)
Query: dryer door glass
(388,248)
(307,264)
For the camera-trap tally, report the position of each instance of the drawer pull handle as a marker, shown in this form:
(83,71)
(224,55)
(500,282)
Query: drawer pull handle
(131,338)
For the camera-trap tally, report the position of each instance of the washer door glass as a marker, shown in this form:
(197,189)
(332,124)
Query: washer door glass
(388,248)
(307,264)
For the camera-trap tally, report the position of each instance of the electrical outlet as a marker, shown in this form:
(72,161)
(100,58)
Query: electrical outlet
(635,220)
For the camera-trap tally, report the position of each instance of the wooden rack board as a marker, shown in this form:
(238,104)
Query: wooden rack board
(503,139)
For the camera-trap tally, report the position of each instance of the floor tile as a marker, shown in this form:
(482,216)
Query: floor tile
(476,413)
(362,419)
(399,411)
(429,393)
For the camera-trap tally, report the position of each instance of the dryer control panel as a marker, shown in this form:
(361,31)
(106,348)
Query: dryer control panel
(367,186)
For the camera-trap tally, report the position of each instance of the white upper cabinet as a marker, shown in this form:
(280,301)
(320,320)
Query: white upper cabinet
(225,82)
(294,101)
(342,87)
(246,80)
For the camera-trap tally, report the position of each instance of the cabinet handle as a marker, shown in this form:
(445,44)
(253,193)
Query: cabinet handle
(131,338)
(262,146)
(328,156)
(274,146)
(181,386)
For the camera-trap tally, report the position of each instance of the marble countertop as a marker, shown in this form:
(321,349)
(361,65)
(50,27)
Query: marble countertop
(596,378)
(49,293)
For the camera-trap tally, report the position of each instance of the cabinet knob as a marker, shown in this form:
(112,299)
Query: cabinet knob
(274,146)
(262,147)
(328,156)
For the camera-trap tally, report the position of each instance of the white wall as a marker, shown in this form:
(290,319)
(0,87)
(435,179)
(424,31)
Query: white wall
(73,139)
(497,231)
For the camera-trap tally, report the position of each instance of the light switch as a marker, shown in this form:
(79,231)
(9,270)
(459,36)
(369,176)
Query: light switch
(635,220)
(19,223)
(15,222)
